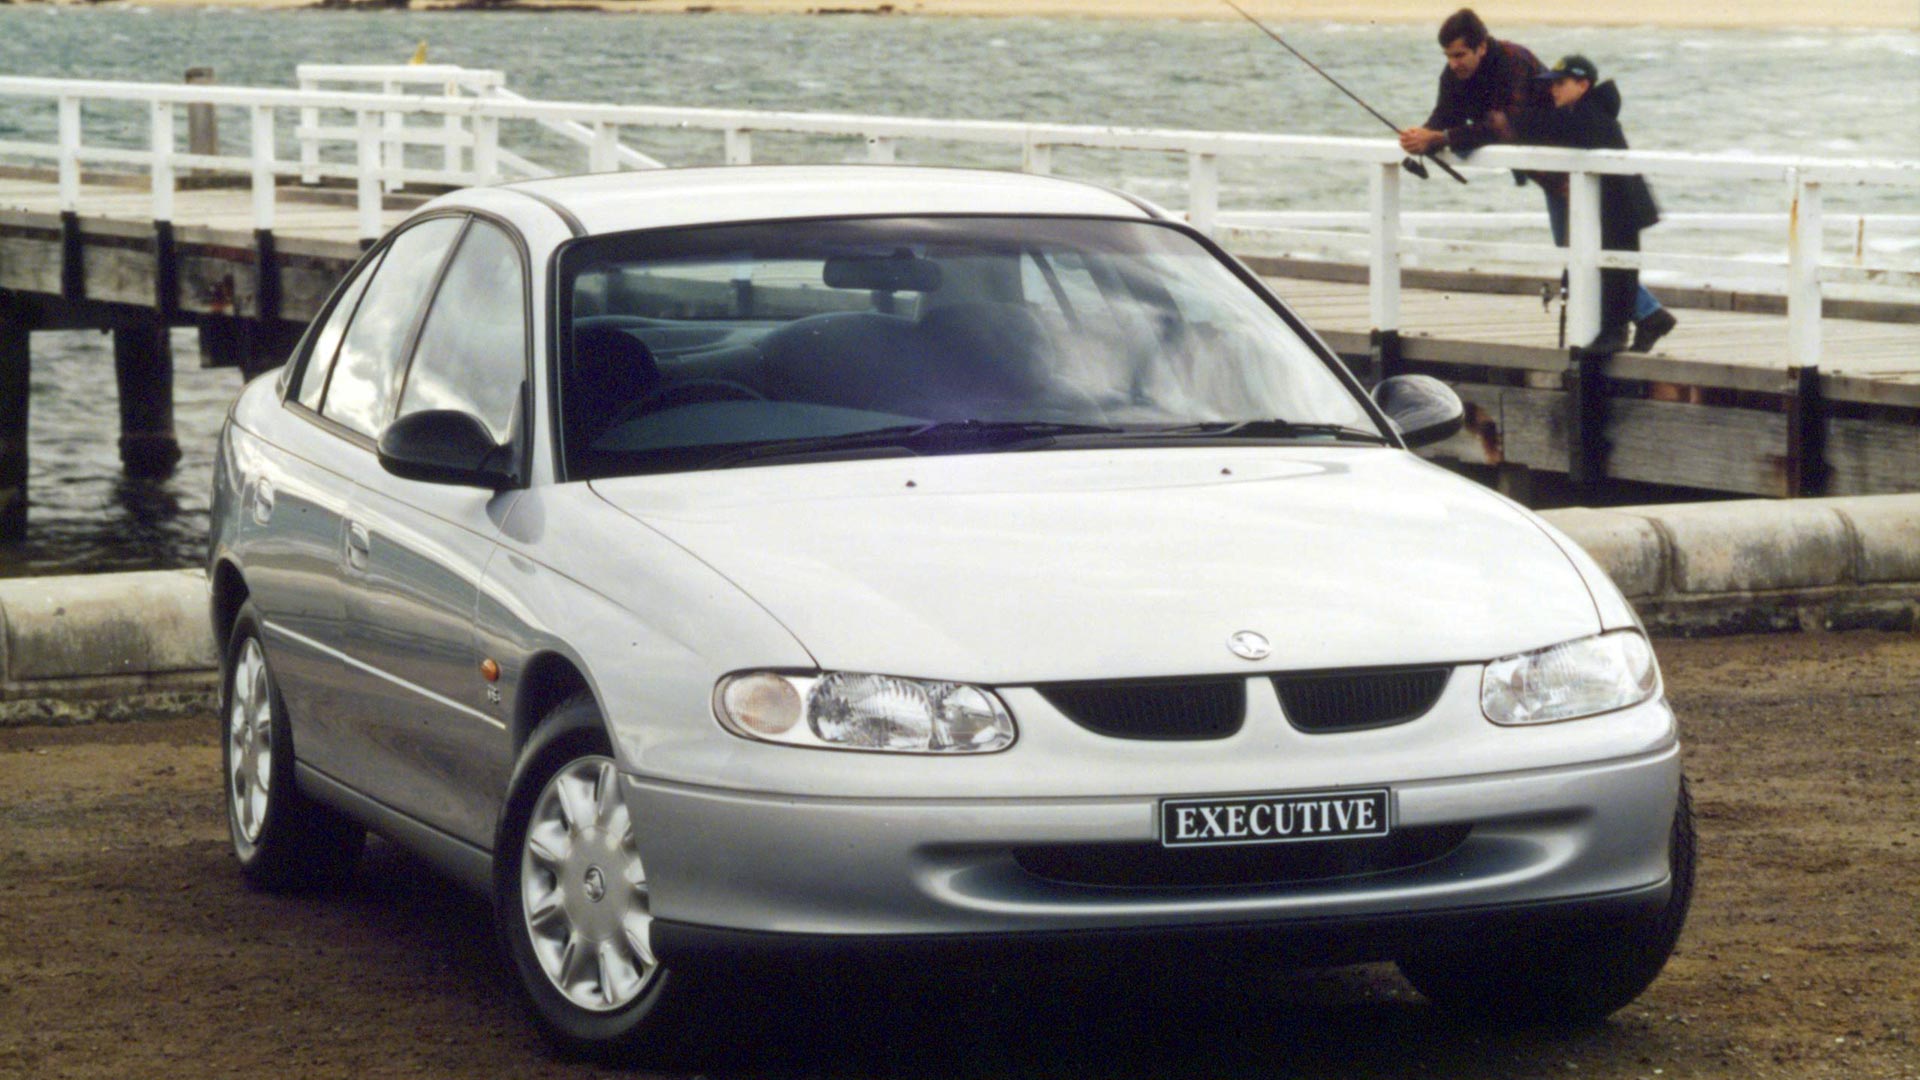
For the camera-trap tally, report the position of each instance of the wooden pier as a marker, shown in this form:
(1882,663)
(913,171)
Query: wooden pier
(1789,394)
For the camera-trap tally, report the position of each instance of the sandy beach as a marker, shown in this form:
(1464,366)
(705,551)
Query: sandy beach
(1897,14)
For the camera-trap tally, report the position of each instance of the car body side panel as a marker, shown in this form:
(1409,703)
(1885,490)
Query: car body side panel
(433,740)
(284,528)
(650,641)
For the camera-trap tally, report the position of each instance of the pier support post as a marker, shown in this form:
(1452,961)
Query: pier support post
(1806,436)
(1383,356)
(16,336)
(143,366)
(1587,419)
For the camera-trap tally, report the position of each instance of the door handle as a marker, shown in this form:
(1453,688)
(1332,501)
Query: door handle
(359,547)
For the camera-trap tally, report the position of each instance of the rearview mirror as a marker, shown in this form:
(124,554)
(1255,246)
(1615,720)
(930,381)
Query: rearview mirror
(445,446)
(1423,408)
(902,271)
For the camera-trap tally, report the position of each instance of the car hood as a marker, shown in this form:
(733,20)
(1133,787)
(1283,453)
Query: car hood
(1058,565)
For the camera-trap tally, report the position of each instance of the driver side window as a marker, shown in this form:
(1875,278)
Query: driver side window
(472,354)
(366,374)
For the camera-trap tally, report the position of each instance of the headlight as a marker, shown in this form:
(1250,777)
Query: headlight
(1580,678)
(846,711)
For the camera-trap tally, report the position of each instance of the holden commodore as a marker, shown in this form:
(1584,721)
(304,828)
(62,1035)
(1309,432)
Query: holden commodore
(711,562)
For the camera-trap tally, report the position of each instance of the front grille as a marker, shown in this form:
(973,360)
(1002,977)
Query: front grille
(1149,866)
(1188,709)
(1345,701)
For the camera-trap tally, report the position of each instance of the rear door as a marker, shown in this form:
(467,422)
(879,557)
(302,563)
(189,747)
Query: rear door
(292,489)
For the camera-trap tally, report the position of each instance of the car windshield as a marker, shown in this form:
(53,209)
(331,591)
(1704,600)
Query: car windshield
(708,347)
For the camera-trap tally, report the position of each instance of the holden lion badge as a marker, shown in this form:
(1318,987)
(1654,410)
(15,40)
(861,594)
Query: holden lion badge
(1248,645)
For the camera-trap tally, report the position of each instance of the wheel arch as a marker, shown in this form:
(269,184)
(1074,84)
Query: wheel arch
(228,592)
(550,679)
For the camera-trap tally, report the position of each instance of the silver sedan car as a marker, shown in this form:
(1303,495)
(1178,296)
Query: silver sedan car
(711,562)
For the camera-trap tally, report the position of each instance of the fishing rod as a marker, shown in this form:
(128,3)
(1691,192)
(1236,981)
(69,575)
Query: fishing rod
(1412,165)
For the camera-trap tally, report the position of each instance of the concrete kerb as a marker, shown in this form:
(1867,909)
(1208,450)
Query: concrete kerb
(119,645)
(104,646)
(1761,565)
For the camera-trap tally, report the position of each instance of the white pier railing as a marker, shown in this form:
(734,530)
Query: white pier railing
(453,130)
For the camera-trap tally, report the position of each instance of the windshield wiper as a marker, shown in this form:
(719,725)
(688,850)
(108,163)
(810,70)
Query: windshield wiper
(946,436)
(1270,429)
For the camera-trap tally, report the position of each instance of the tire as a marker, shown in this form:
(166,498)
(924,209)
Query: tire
(1581,976)
(571,898)
(284,841)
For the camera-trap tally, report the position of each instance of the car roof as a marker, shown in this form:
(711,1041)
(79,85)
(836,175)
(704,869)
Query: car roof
(661,198)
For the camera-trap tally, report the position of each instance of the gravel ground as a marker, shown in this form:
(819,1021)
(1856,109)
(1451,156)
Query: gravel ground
(129,947)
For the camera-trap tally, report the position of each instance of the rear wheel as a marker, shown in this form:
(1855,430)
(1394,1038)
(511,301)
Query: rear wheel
(1579,976)
(571,897)
(284,840)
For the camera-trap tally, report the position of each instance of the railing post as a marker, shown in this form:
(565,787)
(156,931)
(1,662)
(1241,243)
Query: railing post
(366,163)
(486,149)
(393,151)
(262,151)
(203,124)
(1803,272)
(309,141)
(739,147)
(69,154)
(880,149)
(1383,253)
(162,123)
(1583,258)
(450,127)
(1037,159)
(603,154)
(1383,272)
(1203,191)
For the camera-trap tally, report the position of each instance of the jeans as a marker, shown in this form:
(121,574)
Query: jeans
(1644,302)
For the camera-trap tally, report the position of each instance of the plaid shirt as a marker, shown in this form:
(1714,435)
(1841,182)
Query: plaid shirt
(1503,82)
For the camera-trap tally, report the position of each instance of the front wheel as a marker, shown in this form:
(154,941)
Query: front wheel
(1578,977)
(571,896)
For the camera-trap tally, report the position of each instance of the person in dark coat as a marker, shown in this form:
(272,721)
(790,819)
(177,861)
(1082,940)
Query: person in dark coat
(1587,116)
(1485,81)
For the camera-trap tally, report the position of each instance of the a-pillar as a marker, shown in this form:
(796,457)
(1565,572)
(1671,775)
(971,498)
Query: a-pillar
(16,337)
(143,366)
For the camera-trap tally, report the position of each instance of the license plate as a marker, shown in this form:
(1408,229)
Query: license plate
(1273,819)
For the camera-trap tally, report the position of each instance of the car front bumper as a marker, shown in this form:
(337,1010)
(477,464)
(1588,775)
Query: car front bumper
(1567,838)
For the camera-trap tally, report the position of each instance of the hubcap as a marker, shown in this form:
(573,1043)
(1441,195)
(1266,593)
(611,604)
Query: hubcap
(583,891)
(249,743)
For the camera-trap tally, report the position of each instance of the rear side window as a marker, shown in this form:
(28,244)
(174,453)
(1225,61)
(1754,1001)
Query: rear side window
(313,383)
(472,354)
(366,375)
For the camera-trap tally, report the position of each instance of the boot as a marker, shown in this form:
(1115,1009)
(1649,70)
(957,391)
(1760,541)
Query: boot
(1652,329)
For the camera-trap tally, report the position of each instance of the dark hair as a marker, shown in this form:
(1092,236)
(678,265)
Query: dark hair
(1463,26)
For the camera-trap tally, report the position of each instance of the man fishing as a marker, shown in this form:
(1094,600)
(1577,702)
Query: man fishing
(1485,81)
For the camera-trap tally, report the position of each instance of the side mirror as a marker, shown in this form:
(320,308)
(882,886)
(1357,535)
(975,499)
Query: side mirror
(1425,409)
(445,446)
